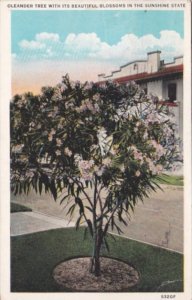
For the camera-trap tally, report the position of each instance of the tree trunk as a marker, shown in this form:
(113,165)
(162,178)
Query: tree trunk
(95,267)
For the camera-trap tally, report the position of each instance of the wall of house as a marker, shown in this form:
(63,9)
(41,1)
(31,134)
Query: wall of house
(116,74)
(155,88)
(134,68)
(130,69)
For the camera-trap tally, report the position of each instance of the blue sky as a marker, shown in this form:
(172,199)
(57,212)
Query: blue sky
(75,42)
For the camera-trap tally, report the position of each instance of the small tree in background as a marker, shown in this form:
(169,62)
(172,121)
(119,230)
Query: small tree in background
(100,147)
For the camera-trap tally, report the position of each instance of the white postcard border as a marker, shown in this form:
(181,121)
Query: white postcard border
(5,90)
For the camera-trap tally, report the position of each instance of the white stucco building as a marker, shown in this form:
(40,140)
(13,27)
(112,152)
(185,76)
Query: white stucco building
(164,80)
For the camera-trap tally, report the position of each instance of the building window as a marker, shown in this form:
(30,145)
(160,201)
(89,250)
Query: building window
(172,92)
(135,67)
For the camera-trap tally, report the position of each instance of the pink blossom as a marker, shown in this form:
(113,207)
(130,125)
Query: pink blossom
(99,170)
(145,135)
(96,97)
(106,161)
(58,152)
(159,168)
(137,173)
(160,151)
(60,126)
(32,124)
(50,137)
(51,114)
(17,148)
(68,152)
(122,168)
(86,169)
(63,87)
(86,164)
(29,174)
(88,105)
(152,168)
(137,154)
(59,142)
(53,131)
(77,158)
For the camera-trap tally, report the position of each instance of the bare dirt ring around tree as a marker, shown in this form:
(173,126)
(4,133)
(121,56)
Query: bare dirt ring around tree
(74,275)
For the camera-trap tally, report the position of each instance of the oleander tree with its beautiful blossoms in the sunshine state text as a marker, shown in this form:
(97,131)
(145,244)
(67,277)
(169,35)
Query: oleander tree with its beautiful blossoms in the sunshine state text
(100,148)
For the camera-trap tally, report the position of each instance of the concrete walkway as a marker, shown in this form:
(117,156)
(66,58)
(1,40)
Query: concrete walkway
(157,221)
(30,222)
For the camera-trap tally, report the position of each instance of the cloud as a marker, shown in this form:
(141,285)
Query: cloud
(42,41)
(31,45)
(130,46)
(90,46)
(84,45)
(83,41)
(45,36)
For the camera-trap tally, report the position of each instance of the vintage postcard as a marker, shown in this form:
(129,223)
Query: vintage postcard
(95,153)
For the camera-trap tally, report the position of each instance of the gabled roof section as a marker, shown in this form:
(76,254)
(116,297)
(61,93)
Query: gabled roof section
(164,72)
(132,62)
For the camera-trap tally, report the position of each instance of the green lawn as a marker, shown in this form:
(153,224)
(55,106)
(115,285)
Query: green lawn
(19,208)
(34,257)
(171,180)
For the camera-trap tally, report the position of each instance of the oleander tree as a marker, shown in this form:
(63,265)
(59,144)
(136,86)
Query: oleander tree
(100,148)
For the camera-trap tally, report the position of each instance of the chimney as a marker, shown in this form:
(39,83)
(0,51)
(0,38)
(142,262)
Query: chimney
(153,61)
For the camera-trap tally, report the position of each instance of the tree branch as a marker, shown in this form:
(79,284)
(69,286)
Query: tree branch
(82,189)
(112,214)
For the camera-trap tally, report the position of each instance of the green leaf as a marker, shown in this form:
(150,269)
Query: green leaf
(115,226)
(121,218)
(71,209)
(85,233)
(53,189)
(40,186)
(89,208)
(80,203)
(16,189)
(78,222)
(90,226)
(106,244)
(65,197)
